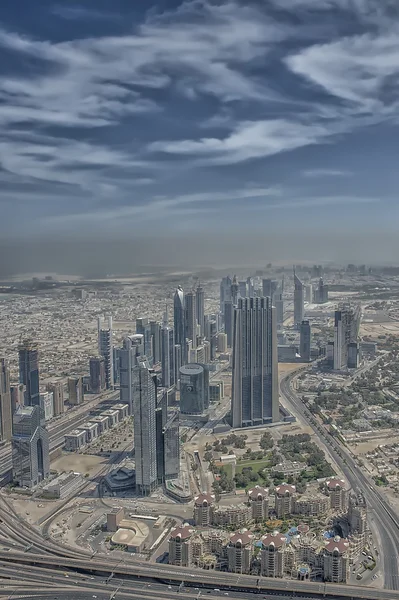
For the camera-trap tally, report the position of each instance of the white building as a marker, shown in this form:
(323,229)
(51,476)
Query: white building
(47,405)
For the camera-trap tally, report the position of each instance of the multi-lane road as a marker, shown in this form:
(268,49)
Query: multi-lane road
(385,518)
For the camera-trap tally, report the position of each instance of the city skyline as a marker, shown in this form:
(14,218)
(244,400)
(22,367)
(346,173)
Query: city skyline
(256,118)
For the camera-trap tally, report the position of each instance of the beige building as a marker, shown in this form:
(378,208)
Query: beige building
(273,555)
(58,397)
(114,517)
(258,498)
(239,552)
(207,544)
(311,505)
(338,493)
(203,510)
(285,495)
(357,515)
(180,547)
(336,561)
(237,515)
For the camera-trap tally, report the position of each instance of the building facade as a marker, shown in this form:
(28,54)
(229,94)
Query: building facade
(144,407)
(194,389)
(30,447)
(299,301)
(29,372)
(105,349)
(5,402)
(305,341)
(255,364)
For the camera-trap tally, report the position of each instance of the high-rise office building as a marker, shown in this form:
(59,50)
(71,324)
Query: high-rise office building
(97,374)
(143,327)
(17,396)
(57,390)
(105,349)
(191,319)
(305,341)
(194,389)
(225,292)
(308,289)
(353,355)
(168,442)
(278,302)
(30,447)
(179,319)
(29,372)
(200,307)
(242,289)
(269,286)
(228,322)
(75,390)
(167,355)
(299,310)
(255,375)
(178,364)
(47,405)
(145,443)
(321,293)
(132,349)
(346,330)
(5,402)
(234,291)
(155,329)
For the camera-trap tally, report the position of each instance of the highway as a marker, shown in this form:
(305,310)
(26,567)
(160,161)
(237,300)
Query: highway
(385,518)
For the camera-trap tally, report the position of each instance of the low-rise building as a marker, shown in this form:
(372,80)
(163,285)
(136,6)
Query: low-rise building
(112,415)
(75,440)
(123,410)
(91,431)
(63,485)
(114,517)
(102,421)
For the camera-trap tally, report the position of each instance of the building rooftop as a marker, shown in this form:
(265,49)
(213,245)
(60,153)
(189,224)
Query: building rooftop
(275,539)
(241,537)
(285,489)
(333,484)
(204,498)
(258,492)
(337,544)
(183,532)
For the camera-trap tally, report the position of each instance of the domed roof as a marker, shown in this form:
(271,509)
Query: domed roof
(335,484)
(275,539)
(303,528)
(183,532)
(241,537)
(204,499)
(285,489)
(337,544)
(258,492)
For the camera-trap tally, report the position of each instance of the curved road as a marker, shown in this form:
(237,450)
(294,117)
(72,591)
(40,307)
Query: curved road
(385,518)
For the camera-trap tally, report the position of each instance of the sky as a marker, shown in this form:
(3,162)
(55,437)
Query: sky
(199,131)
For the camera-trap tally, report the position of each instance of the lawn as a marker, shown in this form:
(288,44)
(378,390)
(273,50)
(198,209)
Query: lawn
(255,464)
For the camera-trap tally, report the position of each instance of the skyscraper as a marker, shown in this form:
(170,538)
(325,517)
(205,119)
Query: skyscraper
(255,376)
(278,302)
(75,390)
(167,354)
(5,402)
(321,293)
(269,286)
(191,319)
(143,327)
(97,374)
(30,447)
(200,307)
(179,318)
(228,322)
(346,331)
(168,442)
(234,291)
(145,444)
(132,349)
(105,349)
(305,341)
(178,363)
(298,301)
(58,397)
(194,389)
(225,292)
(155,329)
(29,372)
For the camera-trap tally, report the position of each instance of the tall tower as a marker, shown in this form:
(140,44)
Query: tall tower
(298,301)
(178,318)
(234,291)
(255,375)
(105,349)
(228,322)
(191,319)
(132,349)
(144,410)
(29,372)
(30,447)
(200,307)
(5,402)
(167,353)
(305,340)
(225,291)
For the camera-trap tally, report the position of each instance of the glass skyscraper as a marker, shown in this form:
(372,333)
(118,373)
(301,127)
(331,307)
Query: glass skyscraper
(255,367)
(145,442)
(30,447)
(29,372)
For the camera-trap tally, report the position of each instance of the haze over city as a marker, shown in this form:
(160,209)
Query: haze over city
(197,124)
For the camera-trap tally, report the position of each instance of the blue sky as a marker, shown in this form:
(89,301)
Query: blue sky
(198,116)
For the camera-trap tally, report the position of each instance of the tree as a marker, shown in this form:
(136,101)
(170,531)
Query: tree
(208,456)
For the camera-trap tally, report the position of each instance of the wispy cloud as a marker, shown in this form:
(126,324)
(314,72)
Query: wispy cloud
(249,140)
(76,12)
(316,173)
